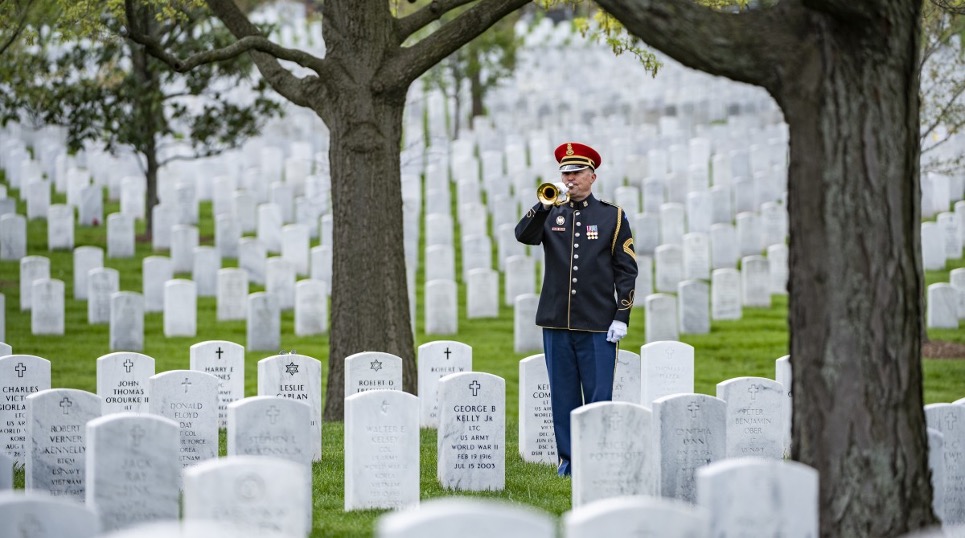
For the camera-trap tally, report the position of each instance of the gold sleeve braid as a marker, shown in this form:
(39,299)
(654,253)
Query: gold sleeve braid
(628,248)
(616,233)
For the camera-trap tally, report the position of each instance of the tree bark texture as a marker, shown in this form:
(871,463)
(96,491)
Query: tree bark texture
(359,91)
(846,77)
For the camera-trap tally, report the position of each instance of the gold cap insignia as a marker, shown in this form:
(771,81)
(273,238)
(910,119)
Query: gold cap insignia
(569,149)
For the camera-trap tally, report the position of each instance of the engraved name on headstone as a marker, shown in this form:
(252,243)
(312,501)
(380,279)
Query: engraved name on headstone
(20,376)
(122,382)
(226,361)
(471,441)
(297,377)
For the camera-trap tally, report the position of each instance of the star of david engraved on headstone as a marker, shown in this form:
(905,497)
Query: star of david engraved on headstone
(219,352)
(474,387)
(693,408)
(754,389)
(137,433)
(291,368)
(385,407)
(30,527)
(66,404)
(950,421)
(272,414)
(128,364)
(250,487)
(376,365)
(447,352)
(20,369)
(186,384)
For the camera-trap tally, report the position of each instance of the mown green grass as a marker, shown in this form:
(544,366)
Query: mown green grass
(747,347)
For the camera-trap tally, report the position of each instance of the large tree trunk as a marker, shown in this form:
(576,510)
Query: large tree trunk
(856,277)
(370,311)
(846,76)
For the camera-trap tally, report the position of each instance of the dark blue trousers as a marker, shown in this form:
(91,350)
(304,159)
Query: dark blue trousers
(580,366)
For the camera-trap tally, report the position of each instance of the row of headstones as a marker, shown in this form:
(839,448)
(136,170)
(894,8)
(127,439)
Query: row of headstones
(619,448)
(943,239)
(247,497)
(667,316)
(945,305)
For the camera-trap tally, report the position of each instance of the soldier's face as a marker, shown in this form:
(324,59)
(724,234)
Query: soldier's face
(579,183)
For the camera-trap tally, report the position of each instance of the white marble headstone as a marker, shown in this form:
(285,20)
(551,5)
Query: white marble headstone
(31,268)
(471,441)
(725,294)
(441,314)
(20,376)
(693,307)
(527,336)
(669,267)
(190,399)
(127,321)
(102,282)
(122,382)
(949,419)
(259,494)
(47,312)
(311,308)
(755,282)
(753,497)
(661,317)
(133,472)
(467,518)
(755,417)
(13,237)
(56,435)
(436,360)
(120,236)
(381,450)
(226,361)
(626,377)
(264,322)
(60,227)
(537,439)
(232,295)
(297,377)
(612,451)
(665,368)
(270,426)
(689,433)
(180,308)
(204,271)
(34,514)
(636,516)
(155,271)
(252,257)
(372,370)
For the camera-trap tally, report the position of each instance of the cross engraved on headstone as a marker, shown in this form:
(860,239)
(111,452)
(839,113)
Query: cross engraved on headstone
(447,352)
(385,407)
(20,369)
(66,404)
(693,408)
(376,365)
(219,352)
(670,351)
(754,389)
(128,364)
(475,386)
(291,368)
(613,421)
(250,487)
(186,384)
(30,527)
(272,414)
(137,433)
(950,421)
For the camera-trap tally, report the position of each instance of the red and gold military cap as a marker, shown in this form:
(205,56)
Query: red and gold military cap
(574,156)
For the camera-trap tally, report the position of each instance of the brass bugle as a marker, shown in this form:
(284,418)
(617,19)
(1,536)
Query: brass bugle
(552,194)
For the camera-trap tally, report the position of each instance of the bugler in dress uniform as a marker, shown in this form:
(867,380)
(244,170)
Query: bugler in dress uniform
(589,279)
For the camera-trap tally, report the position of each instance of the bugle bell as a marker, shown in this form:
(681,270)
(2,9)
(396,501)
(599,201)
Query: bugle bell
(552,194)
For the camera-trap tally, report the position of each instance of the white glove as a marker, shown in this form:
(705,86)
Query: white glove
(618,330)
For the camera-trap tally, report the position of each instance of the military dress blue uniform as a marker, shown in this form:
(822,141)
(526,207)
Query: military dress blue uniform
(589,278)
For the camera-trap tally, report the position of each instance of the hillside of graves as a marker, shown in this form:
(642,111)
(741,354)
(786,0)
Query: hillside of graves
(222,316)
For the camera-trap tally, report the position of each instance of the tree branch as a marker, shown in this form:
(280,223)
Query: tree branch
(297,90)
(411,62)
(744,46)
(17,28)
(431,12)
